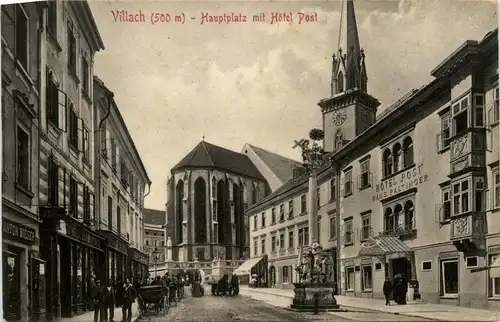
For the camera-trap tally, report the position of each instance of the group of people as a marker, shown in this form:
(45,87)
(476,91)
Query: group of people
(226,287)
(106,298)
(174,284)
(397,291)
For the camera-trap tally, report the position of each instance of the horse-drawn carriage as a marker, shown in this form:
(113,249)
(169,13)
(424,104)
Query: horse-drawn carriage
(153,298)
(223,287)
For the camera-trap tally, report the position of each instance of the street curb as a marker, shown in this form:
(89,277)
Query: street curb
(353,307)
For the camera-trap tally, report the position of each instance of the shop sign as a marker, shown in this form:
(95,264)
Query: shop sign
(402,182)
(17,231)
(117,244)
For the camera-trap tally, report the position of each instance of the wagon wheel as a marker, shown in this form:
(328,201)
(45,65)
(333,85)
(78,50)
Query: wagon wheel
(165,306)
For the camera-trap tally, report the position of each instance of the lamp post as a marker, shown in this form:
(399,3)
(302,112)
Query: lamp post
(312,157)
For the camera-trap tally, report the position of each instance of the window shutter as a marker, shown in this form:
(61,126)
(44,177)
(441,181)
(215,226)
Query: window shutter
(62,109)
(80,190)
(79,125)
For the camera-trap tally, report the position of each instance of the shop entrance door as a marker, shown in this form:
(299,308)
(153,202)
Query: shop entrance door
(400,267)
(272,276)
(11,286)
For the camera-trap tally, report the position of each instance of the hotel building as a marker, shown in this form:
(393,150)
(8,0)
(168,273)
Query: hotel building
(419,188)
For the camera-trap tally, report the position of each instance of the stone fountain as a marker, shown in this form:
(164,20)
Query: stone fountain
(315,282)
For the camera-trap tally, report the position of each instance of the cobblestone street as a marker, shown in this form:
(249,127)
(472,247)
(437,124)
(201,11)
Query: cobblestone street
(244,308)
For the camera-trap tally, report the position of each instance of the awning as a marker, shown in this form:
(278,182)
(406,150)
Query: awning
(385,245)
(495,268)
(247,266)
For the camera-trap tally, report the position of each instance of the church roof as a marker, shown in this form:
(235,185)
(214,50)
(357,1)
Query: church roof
(281,166)
(206,155)
(154,217)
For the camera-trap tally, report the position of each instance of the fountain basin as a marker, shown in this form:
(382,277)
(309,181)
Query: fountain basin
(305,293)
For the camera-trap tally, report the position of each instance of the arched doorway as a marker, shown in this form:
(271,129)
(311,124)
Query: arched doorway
(272,276)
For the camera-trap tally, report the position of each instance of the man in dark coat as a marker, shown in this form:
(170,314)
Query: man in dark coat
(108,301)
(97,296)
(387,289)
(129,295)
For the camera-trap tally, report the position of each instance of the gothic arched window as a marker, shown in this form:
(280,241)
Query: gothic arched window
(398,212)
(387,162)
(389,220)
(408,152)
(409,219)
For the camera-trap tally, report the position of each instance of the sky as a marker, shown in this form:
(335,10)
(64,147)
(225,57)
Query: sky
(257,82)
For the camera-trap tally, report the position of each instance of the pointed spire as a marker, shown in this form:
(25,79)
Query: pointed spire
(353,48)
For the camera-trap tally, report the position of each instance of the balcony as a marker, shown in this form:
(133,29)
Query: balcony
(405,230)
(468,151)
(468,228)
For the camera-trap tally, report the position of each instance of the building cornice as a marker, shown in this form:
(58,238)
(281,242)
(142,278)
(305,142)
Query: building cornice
(86,18)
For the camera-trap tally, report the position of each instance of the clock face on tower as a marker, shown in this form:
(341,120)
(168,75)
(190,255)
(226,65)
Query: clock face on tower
(339,117)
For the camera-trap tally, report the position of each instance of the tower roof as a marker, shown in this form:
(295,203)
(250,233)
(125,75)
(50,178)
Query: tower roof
(206,155)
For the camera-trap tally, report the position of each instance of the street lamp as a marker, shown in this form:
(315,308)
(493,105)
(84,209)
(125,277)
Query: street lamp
(313,160)
(156,257)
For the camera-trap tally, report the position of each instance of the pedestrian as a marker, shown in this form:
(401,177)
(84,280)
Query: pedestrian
(97,301)
(316,302)
(109,301)
(129,295)
(387,289)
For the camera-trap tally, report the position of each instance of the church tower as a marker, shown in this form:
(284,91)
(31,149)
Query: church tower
(349,110)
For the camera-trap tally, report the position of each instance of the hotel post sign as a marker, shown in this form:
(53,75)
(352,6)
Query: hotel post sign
(401,182)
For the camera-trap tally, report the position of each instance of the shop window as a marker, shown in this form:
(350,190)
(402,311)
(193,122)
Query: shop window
(460,112)
(461,197)
(291,239)
(23,164)
(494,281)
(290,209)
(426,266)
(471,262)
(333,227)
(333,190)
(285,274)
(282,213)
(367,278)
(449,277)
(303,204)
(349,278)
(348,183)
(273,216)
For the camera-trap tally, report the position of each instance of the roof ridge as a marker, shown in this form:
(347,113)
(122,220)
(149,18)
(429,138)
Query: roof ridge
(270,152)
(208,153)
(226,149)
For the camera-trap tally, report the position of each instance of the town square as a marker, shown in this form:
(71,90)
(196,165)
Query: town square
(250,160)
